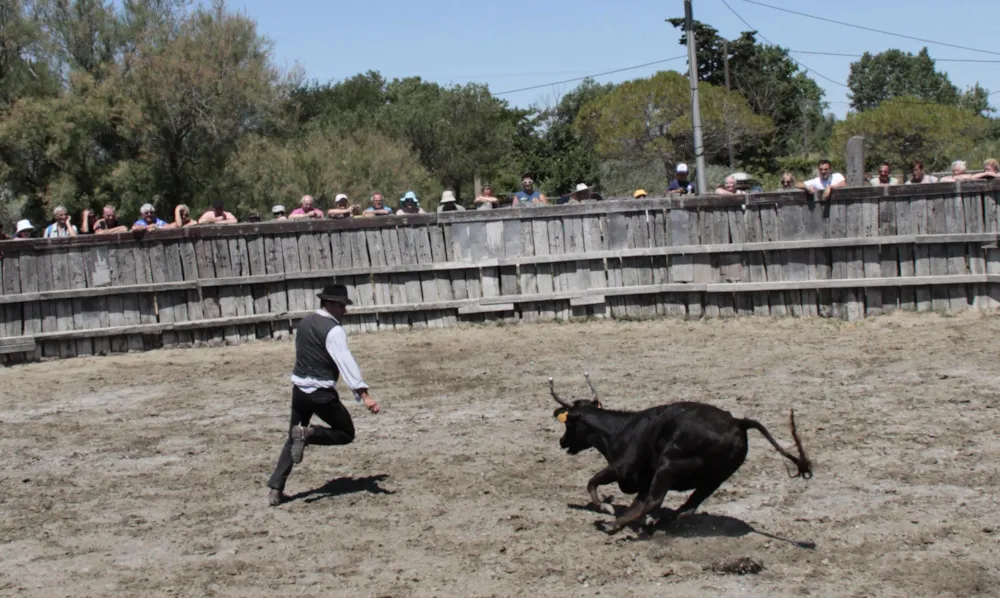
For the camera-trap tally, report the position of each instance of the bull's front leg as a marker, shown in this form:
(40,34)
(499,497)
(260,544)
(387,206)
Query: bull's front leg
(602,478)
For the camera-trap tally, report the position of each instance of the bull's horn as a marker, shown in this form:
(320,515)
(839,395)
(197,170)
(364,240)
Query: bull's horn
(590,384)
(552,389)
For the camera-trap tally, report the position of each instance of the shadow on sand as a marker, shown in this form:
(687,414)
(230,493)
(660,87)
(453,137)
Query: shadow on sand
(698,525)
(342,486)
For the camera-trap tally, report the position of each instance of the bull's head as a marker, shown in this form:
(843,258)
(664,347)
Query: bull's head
(576,437)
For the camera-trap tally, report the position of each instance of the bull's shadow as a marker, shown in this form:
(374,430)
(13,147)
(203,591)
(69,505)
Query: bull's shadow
(342,486)
(698,525)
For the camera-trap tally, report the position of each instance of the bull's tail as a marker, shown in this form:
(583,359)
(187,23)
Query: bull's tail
(801,461)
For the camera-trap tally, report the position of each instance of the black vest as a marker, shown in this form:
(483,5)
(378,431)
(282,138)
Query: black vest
(312,360)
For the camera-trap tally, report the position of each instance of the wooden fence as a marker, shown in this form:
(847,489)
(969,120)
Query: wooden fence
(865,252)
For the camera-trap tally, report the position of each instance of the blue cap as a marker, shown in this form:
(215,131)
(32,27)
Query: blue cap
(410,195)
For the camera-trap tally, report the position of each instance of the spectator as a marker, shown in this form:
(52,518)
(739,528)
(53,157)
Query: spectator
(217,215)
(527,197)
(378,207)
(23,230)
(62,227)
(278,212)
(918,175)
(409,204)
(306,209)
(957,173)
(883,178)
(827,180)
(253,217)
(728,187)
(109,223)
(448,203)
(88,219)
(486,200)
(342,209)
(582,192)
(640,194)
(991,170)
(148,221)
(182,217)
(788,182)
(681,184)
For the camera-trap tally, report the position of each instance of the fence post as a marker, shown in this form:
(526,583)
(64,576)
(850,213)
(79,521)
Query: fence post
(856,161)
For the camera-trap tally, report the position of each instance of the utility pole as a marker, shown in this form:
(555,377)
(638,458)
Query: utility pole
(729,130)
(699,146)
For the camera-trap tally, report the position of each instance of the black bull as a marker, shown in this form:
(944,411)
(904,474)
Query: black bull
(680,446)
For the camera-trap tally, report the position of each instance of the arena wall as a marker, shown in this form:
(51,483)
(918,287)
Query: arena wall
(865,252)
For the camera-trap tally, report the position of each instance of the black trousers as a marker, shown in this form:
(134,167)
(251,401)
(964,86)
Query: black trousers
(325,404)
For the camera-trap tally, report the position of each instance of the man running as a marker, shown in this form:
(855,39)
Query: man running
(321,357)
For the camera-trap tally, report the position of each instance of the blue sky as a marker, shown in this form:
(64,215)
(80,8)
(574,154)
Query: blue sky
(519,43)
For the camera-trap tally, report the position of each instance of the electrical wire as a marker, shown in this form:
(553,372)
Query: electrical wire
(879,31)
(621,70)
(818,53)
(806,67)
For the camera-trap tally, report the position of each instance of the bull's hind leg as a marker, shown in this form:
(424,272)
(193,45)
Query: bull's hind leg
(601,478)
(662,480)
(697,497)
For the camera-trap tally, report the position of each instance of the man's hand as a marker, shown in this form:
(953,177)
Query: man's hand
(369,402)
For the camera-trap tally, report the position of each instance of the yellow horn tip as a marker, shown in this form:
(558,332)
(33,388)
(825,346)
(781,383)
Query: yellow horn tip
(562,417)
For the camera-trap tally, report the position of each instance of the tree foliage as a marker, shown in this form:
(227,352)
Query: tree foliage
(651,118)
(903,129)
(876,78)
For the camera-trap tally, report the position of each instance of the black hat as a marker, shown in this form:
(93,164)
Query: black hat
(218,204)
(337,293)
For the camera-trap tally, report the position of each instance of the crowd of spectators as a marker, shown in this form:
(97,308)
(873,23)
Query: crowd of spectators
(825,181)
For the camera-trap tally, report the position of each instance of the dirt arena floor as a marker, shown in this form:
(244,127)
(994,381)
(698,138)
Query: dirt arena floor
(144,474)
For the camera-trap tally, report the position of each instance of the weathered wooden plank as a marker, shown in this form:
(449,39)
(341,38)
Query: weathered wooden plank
(594,240)
(757,270)
(491,246)
(59,259)
(175,274)
(442,279)
(277,294)
(958,296)
(428,283)
(921,254)
(888,254)
(10,284)
(413,292)
(774,260)
(904,253)
(124,274)
(164,301)
(937,219)
(871,255)
(240,258)
(361,256)
(511,249)
(259,292)
(543,272)
(855,301)
(229,296)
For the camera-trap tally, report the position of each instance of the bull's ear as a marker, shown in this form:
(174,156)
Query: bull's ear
(562,415)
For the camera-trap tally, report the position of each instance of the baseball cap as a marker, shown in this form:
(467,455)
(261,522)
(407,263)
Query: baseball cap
(278,208)
(682,167)
(340,196)
(639,192)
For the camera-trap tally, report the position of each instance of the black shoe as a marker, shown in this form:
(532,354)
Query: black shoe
(298,443)
(276,498)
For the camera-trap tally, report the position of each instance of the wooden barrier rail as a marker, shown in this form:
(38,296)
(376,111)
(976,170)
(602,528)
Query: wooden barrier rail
(868,251)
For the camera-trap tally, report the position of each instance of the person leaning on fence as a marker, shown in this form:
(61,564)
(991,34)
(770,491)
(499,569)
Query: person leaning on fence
(826,181)
(307,209)
(884,178)
(24,229)
(486,200)
(278,212)
(341,209)
(149,219)
(640,194)
(182,217)
(409,204)
(321,358)
(528,196)
(378,207)
(449,203)
(918,175)
(62,227)
(991,170)
(957,173)
(217,215)
(681,184)
(728,187)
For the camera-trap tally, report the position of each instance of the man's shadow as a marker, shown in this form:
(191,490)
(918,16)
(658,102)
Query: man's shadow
(697,525)
(342,486)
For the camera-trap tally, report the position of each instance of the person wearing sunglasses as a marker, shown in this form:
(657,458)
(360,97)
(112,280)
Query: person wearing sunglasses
(528,197)
(278,212)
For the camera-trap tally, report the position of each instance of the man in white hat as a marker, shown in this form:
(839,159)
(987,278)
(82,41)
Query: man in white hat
(341,209)
(321,358)
(448,203)
(23,230)
(681,184)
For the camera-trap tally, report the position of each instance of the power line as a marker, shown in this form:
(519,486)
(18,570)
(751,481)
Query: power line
(818,53)
(806,67)
(621,70)
(829,20)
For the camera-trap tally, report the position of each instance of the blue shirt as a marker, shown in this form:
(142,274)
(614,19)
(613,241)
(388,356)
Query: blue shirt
(526,199)
(142,222)
(688,186)
(386,208)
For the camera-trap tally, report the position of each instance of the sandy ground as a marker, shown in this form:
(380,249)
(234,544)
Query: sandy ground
(144,474)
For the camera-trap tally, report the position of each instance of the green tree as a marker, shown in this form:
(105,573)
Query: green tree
(903,129)
(876,78)
(774,86)
(323,162)
(651,118)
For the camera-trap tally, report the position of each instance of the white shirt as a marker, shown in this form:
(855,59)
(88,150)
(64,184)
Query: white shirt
(818,183)
(336,346)
(928,178)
